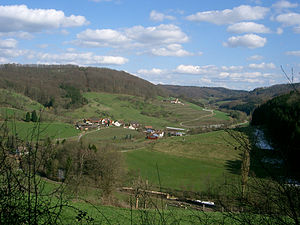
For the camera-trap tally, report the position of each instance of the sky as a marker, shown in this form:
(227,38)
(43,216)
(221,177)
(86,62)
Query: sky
(234,44)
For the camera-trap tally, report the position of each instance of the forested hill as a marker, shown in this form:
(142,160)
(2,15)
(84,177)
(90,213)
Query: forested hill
(45,82)
(245,101)
(202,92)
(281,116)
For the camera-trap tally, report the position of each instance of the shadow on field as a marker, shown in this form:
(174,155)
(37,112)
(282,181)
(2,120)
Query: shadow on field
(233,166)
(257,168)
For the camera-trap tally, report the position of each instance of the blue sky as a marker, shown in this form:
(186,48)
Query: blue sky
(234,44)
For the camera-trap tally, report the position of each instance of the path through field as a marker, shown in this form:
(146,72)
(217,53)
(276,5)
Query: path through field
(201,117)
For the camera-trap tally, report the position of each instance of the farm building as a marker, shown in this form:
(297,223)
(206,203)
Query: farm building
(174,131)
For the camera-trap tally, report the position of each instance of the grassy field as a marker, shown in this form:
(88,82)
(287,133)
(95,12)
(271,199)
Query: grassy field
(189,163)
(153,112)
(14,100)
(114,215)
(26,130)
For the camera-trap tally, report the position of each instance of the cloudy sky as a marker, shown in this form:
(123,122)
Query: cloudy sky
(233,43)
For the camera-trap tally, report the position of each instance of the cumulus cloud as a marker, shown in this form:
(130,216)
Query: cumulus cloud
(153,71)
(229,16)
(247,40)
(279,30)
(293,53)
(289,19)
(171,50)
(283,4)
(80,59)
(248,27)
(162,34)
(20,18)
(191,69)
(159,17)
(262,66)
(232,68)
(255,57)
(8,43)
(162,40)
(101,38)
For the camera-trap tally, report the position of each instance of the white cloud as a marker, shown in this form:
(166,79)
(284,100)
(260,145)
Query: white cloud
(293,53)
(284,5)
(3,60)
(247,40)
(190,69)
(229,16)
(255,57)
(101,38)
(162,34)
(137,36)
(20,34)
(21,18)
(289,19)
(248,27)
(8,43)
(159,17)
(171,50)
(262,66)
(80,59)
(279,30)
(153,71)
(232,68)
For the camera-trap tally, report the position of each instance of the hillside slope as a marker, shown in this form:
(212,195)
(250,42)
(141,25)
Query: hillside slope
(44,82)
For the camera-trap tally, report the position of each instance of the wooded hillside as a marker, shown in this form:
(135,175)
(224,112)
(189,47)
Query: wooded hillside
(57,84)
(281,117)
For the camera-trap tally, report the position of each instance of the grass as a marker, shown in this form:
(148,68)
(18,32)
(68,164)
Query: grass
(12,99)
(26,130)
(10,113)
(114,215)
(153,112)
(188,163)
(221,115)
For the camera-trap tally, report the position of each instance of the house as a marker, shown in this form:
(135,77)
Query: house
(174,131)
(135,124)
(106,122)
(152,136)
(176,101)
(94,120)
(117,123)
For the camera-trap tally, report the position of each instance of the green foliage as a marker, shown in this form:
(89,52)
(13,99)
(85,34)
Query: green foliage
(27,117)
(74,94)
(282,118)
(34,117)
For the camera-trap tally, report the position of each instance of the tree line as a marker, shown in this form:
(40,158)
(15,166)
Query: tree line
(281,117)
(60,86)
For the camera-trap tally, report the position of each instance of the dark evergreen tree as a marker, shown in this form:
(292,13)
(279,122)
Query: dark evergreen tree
(34,117)
(27,117)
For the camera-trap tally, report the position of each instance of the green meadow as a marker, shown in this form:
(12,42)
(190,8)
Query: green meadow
(186,163)
(55,130)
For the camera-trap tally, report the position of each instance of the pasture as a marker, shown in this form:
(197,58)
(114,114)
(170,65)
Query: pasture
(30,130)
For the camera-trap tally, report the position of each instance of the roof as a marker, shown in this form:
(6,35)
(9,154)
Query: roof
(175,128)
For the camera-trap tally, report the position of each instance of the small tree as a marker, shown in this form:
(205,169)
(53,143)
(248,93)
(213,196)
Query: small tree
(27,117)
(34,117)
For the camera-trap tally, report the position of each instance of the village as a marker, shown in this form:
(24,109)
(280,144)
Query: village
(149,131)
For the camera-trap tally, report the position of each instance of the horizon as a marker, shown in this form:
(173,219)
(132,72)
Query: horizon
(239,45)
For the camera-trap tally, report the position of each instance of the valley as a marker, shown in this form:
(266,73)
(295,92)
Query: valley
(95,143)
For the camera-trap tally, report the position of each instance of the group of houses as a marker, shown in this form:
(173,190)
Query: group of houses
(94,123)
(173,101)
(149,131)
